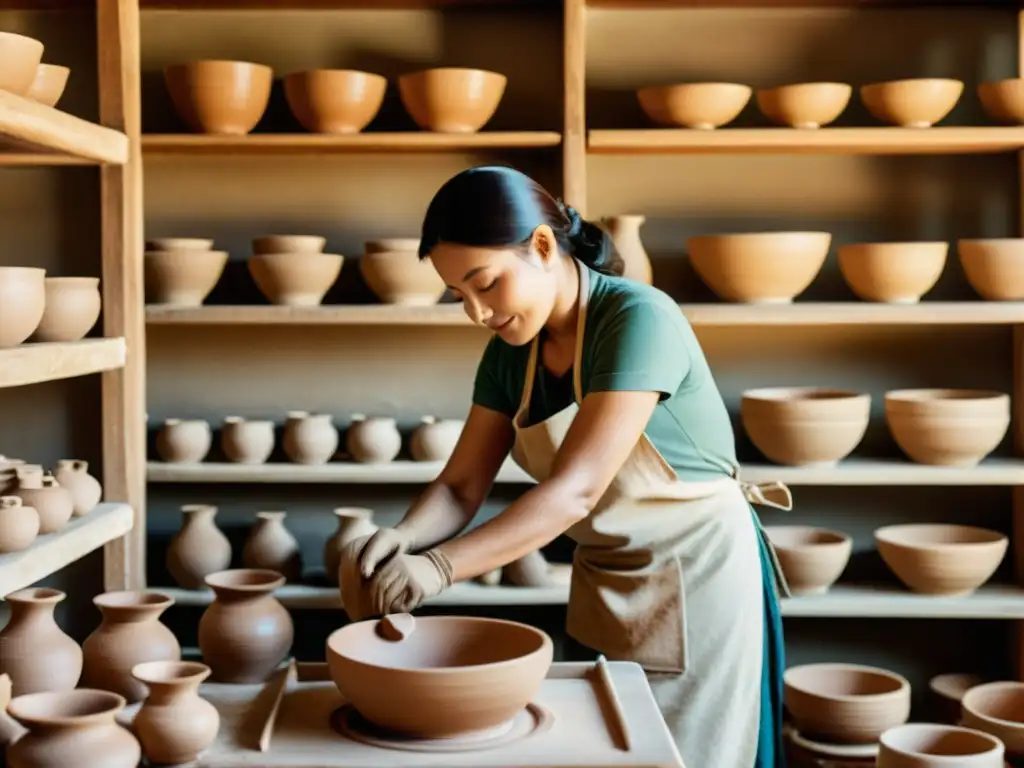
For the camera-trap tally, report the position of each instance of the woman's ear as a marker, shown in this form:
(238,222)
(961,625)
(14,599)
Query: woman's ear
(544,244)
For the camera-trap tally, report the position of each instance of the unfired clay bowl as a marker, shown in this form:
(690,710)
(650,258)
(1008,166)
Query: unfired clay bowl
(759,267)
(947,691)
(927,745)
(998,710)
(994,267)
(19,60)
(22,302)
(334,100)
(182,278)
(48,84)
(452,676)
(411,244)
(805,426)
(812,559)
(220,97)
(179,244)
(913,103)
(451,99)
(703,106)
(288,244)
(401,277)
(893,273)
(295,279)
(1003,100)
(947,427)
(72,308)
(845,703)
(804,105)
(941,559)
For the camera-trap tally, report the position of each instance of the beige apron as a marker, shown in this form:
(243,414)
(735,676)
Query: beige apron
(667,574)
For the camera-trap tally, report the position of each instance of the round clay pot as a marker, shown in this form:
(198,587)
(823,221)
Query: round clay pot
(247,441)
(947,691)
(85,489)
(245,633)
(804,105)
(402,277)
(812,559)
(401,244)
(19,525)
(34,651)
(129,634)
(927,745)
(998,710)
(353,523)
(299,279)
(19,61)
(625,233)
(72,728)
(1003,100)
(310,438)
(182,278)
(220,97)
(72,308)
(53,503)
(702,106)
(179,244)
(451,99)
(199,548)
(49,83)
(912,103)
(288,244)
(373,440)
(22,291)
(994,267)
(184,441)
(334,100)
(893,273)
(270,546)
(434,440)
(174,724)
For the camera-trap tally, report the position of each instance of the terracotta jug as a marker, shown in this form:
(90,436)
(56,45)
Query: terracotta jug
(245,633)
(353,523)
(19,525)
(72,729)
(434,439)
(130,633)
(270,546)
(174,724)
(184,440)
(625,233)
(310,438)
(86,490)
(373,441)
(199,548)
(247,441)
(53,503)
(34,651)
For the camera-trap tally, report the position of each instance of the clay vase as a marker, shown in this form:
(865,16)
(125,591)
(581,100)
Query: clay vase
(434,440)
(184,440)
(85,489)
(247,442)
(310,438)
(373,441)
(174,724)
(199,548)
(625,233)
(271,547)
(53,503)
(353,523)
(19,525)
(34,651)
(72,728)
(72,308)
(245,633)
(129,634)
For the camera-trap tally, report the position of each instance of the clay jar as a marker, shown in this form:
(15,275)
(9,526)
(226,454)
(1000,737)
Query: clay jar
(86,490)
(52,503)
(245,633)
(353,523)
(23,298)
(625,233)
(19,525)
(374,440)
(174,724)
(72,728)
(247,442)
(184,440)
(199,548)
(34,651)
(310,438)
(129,634)
(270,546)
(72,308)
(434,440)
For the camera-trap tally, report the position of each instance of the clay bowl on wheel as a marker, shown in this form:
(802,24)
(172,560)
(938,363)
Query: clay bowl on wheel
(182,278)
(295,279)
(19,61)
(402,277)
(451,676)
(940,559)
(893,273)
(994,267)
(804,105)
(49,83)
(845,703)
(998,710)
(334,100)
(220,97)
(704,106)
(1003,100)
(811,558)
(451,99)
(22,303)
(927,745)
(913,103)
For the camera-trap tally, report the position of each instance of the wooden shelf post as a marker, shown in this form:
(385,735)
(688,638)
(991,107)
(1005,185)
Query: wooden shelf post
(574,83)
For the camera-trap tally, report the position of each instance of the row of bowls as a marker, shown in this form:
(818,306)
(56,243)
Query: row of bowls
(46,308)
(230,97)
(23,72)
(816,426)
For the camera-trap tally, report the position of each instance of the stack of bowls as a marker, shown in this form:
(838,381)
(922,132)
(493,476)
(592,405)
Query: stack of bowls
(181,271)
(293,270)
(396,274)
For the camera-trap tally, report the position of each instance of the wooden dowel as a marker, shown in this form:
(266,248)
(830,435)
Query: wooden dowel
(601,665)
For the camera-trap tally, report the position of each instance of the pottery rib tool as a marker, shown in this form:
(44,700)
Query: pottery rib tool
(396,626)
(279,685)
(608,687)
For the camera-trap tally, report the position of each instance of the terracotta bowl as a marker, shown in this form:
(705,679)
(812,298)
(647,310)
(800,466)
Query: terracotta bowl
(450,99)
(221,97)
(1003,100)
(401,277)
(804,105)
(334,100)
(288,244)
(48,84)
(914,103)
(947,691)
(947,427)
(23,301)
(812,559)
(476,673)
(994,267)
(411,244)
(694,105)
(941,559)
(19,61)
(845,703)
(893,273)
(759,267)
(998,710)
(182,278)
(179,244)
(805,426)
(927,745)
(295,279)
(72,308)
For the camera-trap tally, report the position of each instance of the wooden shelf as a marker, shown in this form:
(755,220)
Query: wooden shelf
(889,472)
(52,552)
(837,141)
(42,129)
(35,363)
(762,4)
(319,144)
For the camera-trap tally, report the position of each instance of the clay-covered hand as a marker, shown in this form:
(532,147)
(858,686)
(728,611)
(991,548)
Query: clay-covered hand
(402,584)
(383,544)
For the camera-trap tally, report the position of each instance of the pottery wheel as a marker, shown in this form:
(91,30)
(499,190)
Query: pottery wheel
(825,749)
(531,720)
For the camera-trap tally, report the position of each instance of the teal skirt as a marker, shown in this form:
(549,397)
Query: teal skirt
(770,748)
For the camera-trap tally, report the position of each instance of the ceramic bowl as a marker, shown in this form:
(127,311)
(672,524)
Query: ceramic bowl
(845,703)
(947,691)
(220,97)
(179,244)
(694,105)
(19,61)
(805,426)
(947,427)
(182,278)
(451,99)
(998,710)
(295,279)
(401,277)
(927,745)
(72,308)
(914,103)
(48,84)
(759,267)
(941,559)
(334,100)
(994,267)
(23,301)
(812,559)
(476,673)
(411,244)
(893,273)
(288,244)
(804,105)
(1003,100)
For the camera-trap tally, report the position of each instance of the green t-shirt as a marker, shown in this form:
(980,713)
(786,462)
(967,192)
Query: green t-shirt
(636,339)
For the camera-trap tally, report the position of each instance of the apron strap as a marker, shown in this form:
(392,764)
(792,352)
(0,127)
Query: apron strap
(531,374)
(581,327)
(775,495)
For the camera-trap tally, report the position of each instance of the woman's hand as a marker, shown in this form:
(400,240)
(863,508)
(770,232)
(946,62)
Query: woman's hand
(383,544)
(401,585)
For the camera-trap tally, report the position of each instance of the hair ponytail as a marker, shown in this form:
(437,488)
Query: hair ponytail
(591,244)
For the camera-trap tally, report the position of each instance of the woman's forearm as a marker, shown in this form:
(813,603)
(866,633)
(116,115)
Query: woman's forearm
(436,516)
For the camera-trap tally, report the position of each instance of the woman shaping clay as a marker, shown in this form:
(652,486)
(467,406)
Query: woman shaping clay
(600,390)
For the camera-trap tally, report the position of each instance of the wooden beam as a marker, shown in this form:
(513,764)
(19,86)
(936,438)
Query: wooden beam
(35,363)
(574,84)
(48,129)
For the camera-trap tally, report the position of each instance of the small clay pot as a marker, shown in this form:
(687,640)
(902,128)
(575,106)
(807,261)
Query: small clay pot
(310,438)
(19,525)
(353,523)
(85,489)
(270,546)
(22,289)
(184,440)
(53,503)
(220,97)
(199,548)
(434,440)
(174,724)
(373,440)
(21,56)
(625,234)
(247,441)
(34,651)
(72,308)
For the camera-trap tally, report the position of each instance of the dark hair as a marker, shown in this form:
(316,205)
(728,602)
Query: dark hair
(492,206)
